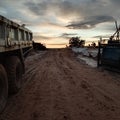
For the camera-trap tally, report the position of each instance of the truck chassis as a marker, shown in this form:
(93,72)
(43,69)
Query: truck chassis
(15,43)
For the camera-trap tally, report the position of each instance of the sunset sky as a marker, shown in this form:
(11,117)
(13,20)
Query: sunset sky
(53,22)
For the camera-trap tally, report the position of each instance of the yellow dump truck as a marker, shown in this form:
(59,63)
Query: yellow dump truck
(15,43)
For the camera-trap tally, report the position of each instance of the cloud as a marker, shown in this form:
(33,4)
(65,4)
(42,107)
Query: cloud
(103,36)
(64,9)
(117,2)
(90,22)
(15,10)
(41,8)
(40,37)
(68,35)
(53,18)
(54,10)
(37,8)
(2,11)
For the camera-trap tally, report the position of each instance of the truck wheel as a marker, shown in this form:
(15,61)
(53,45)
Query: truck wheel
(3,88)
(14,69)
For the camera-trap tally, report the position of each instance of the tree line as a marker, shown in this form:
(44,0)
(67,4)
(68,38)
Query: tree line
(76,42)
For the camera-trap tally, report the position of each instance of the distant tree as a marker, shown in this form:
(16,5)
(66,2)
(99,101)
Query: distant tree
(82,43)
(76,42)
(93,44)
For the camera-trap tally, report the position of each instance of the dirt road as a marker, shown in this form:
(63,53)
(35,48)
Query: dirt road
(58,87)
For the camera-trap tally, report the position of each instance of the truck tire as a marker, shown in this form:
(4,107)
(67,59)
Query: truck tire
(3,88)
(14,70)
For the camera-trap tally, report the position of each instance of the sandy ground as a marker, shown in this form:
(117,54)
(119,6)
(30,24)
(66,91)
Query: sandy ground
(58,87)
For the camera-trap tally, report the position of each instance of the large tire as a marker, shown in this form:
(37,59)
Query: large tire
(3,88)
(14,70)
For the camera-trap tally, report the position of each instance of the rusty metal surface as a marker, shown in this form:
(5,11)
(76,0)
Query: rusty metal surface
(7,43)
(11,23)
(109,56)
(14,45)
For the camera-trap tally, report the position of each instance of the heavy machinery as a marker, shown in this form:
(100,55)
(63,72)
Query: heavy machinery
(109,54)
(15,43)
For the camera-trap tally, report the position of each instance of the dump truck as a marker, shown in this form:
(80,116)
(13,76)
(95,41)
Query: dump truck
(15,44)
(109,54)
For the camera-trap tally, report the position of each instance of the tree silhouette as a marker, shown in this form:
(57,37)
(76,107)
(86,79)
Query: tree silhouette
(93,44)
(76,42)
